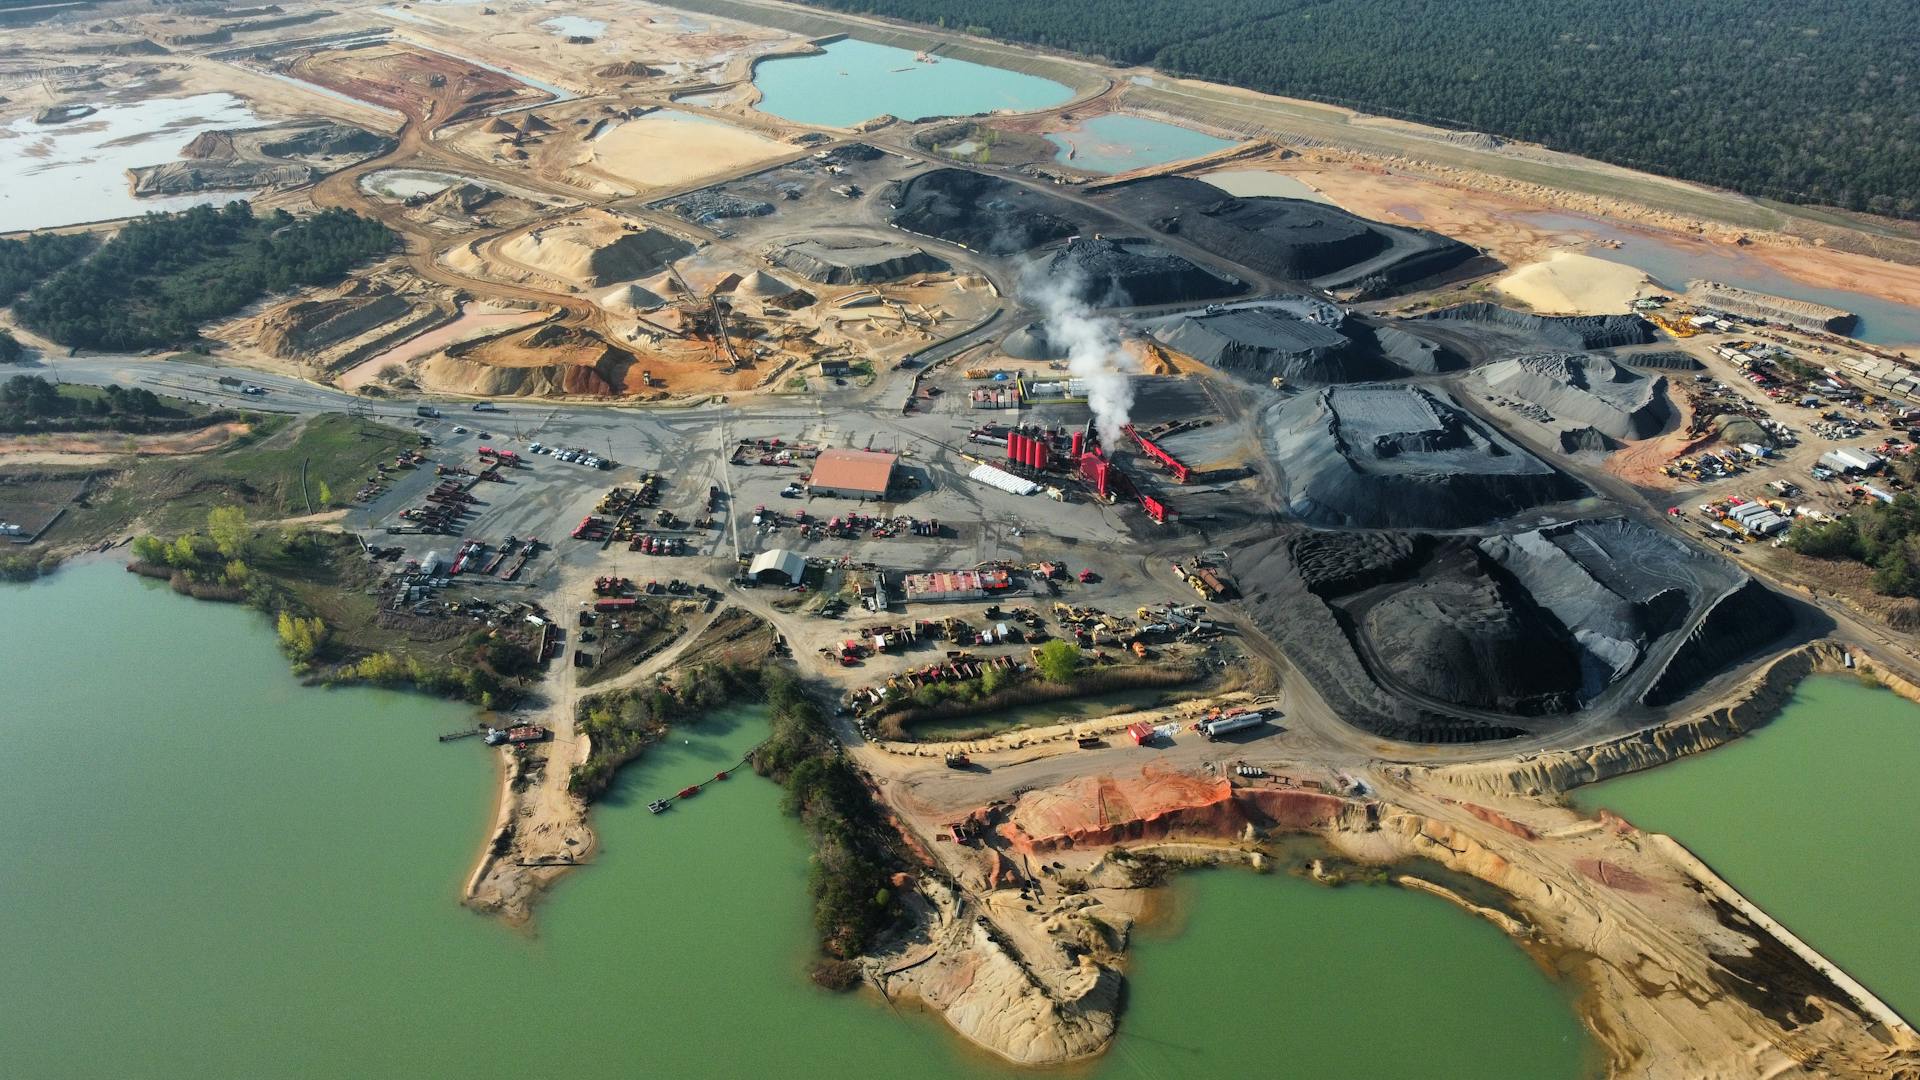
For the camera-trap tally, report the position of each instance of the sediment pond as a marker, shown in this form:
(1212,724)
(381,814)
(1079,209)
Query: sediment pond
(1808,817)
(216,871)
(853,81)
(67,173)
(1119,142)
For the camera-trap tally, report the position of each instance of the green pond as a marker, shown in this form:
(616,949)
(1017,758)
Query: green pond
(854,81)
(214,871)
(1786,815)
(1118,142)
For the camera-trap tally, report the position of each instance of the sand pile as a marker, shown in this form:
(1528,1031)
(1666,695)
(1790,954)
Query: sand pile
(1569,283)
(547,361)
(1384,456)
(1582,391)
(499,125)
(630,297)
(300,329)
(595,249)
(762,285)
(1125,272)
(532,124)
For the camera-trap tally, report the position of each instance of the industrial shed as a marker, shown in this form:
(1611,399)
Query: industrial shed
(853,474)
(778,566)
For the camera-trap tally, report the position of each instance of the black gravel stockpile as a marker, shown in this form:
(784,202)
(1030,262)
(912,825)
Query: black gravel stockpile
(1289,238)
(1743,622)
(1574,332)
(981,213)
(1415,353)
(1125,272)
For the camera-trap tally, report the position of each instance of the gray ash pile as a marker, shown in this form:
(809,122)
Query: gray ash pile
(853,260)
(1384,456)
(1289,238)
(1578,391)
(1266,341)
(711,204)
(1126,272)
(1574,332)
(981,213)
(1415,353)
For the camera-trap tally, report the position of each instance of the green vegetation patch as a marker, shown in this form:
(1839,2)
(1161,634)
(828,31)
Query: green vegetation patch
(164,275)
(1769,97)
(29,404)
(1885,536)
(260,471)
(27,261)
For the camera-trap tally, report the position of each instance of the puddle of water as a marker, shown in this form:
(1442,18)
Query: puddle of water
(407,183)
(853,81)
(574,26)
(1118,142)
(1672,261)
(63,174)
(1248,183)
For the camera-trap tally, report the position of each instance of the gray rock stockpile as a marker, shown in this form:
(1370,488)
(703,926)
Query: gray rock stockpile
(1384,456)
(853,260)
(1125,272)
(1263,342)
(1582,391)
(1289,238)
(1572,332)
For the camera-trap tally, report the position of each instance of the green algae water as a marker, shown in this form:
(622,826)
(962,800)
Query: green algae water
(853,81)
(1789,816)
(214,871)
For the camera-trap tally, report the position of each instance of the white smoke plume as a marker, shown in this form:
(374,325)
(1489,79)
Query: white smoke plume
(1091,341)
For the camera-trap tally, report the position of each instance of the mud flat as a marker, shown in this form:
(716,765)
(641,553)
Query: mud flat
(1378,456)
(1288,238)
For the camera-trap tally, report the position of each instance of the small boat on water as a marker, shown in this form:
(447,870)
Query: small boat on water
(658,805)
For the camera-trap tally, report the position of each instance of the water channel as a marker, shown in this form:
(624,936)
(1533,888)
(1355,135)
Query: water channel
(853,81)
(1809,818)
(215,871)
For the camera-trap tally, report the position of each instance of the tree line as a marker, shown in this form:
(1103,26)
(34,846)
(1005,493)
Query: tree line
(164,275)
(26,261)
(1771,98)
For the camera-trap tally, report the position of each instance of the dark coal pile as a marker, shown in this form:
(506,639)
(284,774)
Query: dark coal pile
(981,213)
(328,140)
(1289,238)
(1587,440)
(1615,586)
(1746,620)
(1662,360)
(1382,456)
(1470,638)
(1314,637)
(1413,352)
(1264,342)
(1572,332)
(1582,391)
(1333,563)
(1125,272)
(853,260)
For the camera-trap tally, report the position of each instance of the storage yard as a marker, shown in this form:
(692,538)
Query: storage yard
(1074,497)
